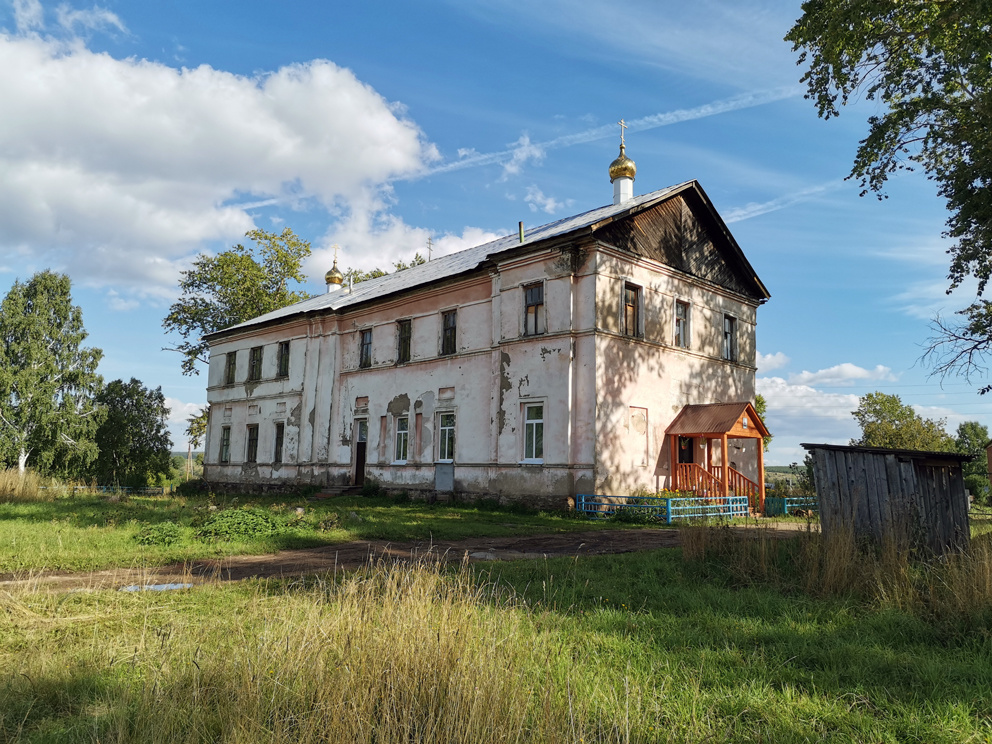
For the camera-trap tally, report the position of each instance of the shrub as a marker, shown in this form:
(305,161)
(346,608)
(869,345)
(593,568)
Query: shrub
(163,533)
(371,487)
(239,524)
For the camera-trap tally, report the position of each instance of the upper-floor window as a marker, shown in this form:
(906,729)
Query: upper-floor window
(730,338)
(251,450)
(365,348)
(225,444)
(446,437)
(402,438)
(255,363)
(280,436)
(284,359)
(534,431)
(682,324)
(449,325)
(404,333)
(631,309)
(534,322)
(230,367)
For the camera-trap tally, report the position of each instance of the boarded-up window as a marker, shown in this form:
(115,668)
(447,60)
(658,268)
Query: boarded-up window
(534,322)
(255,364)
(631,309)
(251,449)
(365,348)
(280,435)
(404,332)
(449,340)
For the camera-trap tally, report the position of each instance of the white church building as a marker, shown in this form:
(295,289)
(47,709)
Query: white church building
(604,353)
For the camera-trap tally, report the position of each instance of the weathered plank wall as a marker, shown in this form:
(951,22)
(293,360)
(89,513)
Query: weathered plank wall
(892,494)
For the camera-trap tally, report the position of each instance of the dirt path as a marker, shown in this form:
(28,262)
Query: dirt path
(348,556)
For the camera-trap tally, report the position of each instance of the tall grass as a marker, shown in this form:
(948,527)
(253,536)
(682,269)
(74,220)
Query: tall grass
(21,487)
(953,591)
(390,654)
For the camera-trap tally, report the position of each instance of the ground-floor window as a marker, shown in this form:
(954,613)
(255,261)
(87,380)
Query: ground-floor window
(251,451)
(534,431)
(225,444)
(402,438)
(446,437)
(280,434)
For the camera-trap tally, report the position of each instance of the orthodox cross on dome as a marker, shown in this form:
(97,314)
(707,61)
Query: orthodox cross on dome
(623,126)
(335,247)
(430,244)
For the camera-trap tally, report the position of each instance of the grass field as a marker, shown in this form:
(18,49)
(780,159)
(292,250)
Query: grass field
(87,532)
(731,639)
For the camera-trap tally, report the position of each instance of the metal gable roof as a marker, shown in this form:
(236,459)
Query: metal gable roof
(714,418)
(457,263)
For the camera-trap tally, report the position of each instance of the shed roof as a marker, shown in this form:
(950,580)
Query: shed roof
(473,258)
(906,454)
(717,418)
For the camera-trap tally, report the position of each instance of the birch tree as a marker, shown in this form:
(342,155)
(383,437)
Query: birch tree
(48,379)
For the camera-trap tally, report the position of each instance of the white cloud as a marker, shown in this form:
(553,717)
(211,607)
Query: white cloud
(754,209)
(118,170)
(93,19)
(536,199)
(28,15)
(179,412)
(371,237)
(845,374)
(522,151)
(768,362)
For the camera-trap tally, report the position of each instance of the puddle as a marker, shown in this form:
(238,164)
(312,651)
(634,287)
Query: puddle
(154,587)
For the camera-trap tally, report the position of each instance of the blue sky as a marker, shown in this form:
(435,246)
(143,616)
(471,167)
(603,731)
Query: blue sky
(136,135)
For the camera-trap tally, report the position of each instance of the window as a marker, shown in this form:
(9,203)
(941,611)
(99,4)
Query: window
(534,432)
(284,359)
(251,451)
(402,438)
(365,348)
(404,332)
(255,364)
(230,367)
(225,444)
(631,310)
(280,434)
(534,310)
(730,338)
(446,437)
(448,330)
(682,324)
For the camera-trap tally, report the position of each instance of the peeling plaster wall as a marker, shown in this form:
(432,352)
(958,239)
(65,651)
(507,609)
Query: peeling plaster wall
(607,399)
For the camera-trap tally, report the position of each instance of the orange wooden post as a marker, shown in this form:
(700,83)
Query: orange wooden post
(675,462)
(726,467)
(761,474)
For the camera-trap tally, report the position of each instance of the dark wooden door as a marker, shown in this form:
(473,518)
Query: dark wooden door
(361,444)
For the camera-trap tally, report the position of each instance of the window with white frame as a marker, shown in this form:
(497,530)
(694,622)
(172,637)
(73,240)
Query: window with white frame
(446,437)
(402,438)
(730,338)
(534,321)
(682,324)
(631,310)
(534,432)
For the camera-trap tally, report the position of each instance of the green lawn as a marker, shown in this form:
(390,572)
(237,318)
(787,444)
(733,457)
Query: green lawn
(628,648)
(88,532)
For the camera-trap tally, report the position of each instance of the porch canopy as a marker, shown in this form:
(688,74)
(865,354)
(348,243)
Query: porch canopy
(718,422)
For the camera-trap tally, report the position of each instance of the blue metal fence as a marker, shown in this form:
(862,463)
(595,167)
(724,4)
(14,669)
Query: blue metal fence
(667,509)
(783,506)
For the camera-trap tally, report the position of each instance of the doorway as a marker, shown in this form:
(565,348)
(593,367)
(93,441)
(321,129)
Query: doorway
(686,447)
(361,445)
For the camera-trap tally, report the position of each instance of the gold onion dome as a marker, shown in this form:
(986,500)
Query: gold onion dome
(334,276)
(622,166)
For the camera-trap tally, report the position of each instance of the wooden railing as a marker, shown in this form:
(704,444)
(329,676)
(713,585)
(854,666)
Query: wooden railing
(692,477)
(740,485)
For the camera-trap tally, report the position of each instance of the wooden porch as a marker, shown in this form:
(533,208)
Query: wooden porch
(716,425)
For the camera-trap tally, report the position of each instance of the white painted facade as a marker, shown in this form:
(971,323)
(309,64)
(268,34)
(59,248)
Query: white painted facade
(576,402)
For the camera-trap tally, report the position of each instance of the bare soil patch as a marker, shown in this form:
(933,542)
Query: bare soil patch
(352,555)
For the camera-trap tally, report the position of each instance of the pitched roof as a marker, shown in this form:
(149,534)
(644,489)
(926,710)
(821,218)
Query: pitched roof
(714,418)
(468,260)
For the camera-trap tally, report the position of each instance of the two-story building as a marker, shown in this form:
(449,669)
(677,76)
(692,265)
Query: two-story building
(534,367)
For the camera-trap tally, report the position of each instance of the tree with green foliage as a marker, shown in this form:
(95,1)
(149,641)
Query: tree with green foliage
(354,276)
(196,431)
(927,64)
(886,421)
(48,379)
(133,438)
(233,287)
(760,407)
(971,440)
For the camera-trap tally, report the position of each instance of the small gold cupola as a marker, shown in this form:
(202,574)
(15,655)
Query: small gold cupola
(622,172)
(334,278)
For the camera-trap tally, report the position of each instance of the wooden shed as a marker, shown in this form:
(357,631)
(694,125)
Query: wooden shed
(885,493)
